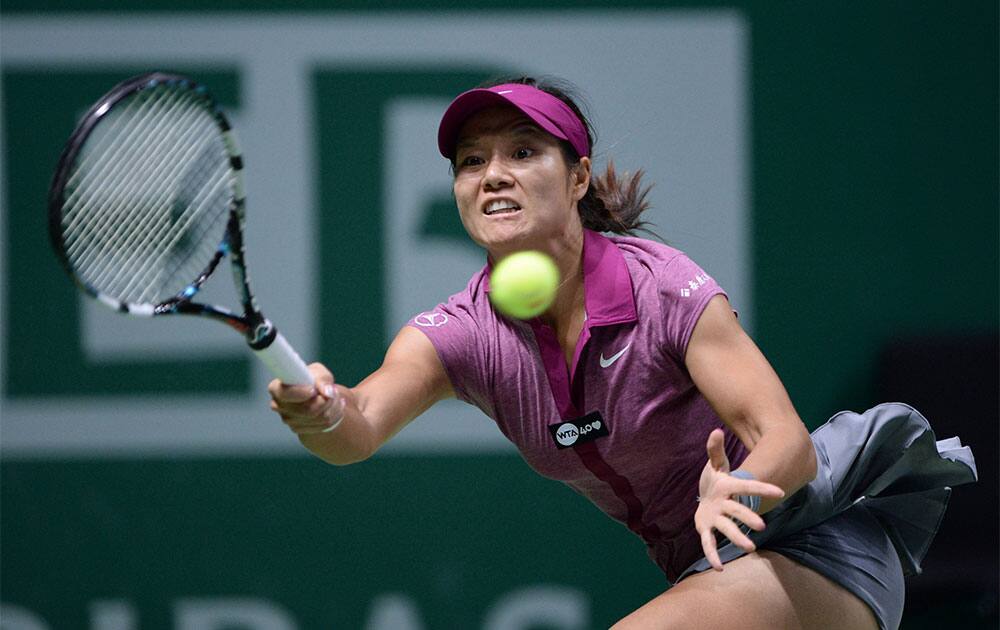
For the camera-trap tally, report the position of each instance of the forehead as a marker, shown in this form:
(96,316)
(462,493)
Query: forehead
(502,120)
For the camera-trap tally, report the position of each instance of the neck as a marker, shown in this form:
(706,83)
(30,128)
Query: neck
(566,251)
(569,300)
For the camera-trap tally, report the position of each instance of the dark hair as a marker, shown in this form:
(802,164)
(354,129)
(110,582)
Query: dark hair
(611,203)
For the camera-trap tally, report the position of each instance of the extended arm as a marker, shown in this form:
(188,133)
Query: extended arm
(410,380)
(743,389)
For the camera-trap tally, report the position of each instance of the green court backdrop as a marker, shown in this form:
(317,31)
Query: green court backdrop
(872,191)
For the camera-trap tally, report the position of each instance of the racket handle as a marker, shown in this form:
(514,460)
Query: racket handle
(284,362)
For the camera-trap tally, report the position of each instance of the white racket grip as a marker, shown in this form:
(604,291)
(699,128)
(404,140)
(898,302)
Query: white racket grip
(284,362)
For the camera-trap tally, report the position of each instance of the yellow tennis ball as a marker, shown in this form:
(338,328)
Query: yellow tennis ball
(524,284)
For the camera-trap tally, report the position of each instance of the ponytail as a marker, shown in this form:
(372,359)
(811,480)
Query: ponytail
(614,204)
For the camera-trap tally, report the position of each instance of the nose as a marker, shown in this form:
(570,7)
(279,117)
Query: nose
(496,175)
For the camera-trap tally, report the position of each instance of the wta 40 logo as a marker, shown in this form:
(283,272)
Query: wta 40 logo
(579,431)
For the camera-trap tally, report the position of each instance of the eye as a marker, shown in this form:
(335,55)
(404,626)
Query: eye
(523,153)
(470,160)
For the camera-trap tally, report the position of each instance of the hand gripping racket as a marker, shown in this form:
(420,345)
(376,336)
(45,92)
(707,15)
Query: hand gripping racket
(146,201)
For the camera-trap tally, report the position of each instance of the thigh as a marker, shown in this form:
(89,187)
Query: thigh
(760,590)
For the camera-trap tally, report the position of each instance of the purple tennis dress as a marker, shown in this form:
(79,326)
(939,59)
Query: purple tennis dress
(625,426)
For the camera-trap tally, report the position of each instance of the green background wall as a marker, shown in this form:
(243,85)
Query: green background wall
(875,218)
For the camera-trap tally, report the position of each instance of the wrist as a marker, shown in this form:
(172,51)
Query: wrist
(336,415)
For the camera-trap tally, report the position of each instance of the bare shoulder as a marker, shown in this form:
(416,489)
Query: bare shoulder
(718,323)
(413,347)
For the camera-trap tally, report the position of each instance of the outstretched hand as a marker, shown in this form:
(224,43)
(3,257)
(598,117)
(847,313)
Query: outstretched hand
(309,409)
(719,510)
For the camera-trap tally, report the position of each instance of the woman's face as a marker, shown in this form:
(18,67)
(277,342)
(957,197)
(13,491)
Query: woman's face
(513,187)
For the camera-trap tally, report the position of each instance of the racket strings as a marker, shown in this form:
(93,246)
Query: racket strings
(187,241)
(94,164)
(96,175)
(116,181)
(118,207)
(147,202)
(128,245)
(93,181)
(136,239)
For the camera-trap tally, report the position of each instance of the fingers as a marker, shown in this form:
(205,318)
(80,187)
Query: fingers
(315,406)
(323,383)
(753,487)
(725,525)
(708,546)
(309,409)
(721,512)
(290,393)
(315,416)
(729,529)
(745,515)
(717,450)
(323,380)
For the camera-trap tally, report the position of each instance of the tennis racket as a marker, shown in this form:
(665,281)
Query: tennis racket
(148,198)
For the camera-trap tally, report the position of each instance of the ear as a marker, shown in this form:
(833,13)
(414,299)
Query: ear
(580,174)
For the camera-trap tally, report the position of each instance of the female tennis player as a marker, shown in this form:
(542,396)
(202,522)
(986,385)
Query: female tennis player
(639,389)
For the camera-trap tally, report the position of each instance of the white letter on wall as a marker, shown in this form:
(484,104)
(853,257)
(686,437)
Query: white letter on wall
(225,613)
(555,606)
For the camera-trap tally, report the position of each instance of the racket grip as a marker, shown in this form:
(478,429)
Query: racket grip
(284,362)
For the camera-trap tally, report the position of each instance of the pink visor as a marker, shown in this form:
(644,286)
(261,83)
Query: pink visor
(545,110)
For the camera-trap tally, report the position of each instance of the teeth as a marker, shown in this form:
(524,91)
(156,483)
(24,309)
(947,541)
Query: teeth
(501,206)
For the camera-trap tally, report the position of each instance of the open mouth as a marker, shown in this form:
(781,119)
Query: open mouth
(501,207)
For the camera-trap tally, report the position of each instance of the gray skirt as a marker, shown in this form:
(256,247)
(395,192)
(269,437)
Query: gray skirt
(869,516)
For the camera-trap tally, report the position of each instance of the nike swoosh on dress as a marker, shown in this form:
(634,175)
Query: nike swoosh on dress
(607,362)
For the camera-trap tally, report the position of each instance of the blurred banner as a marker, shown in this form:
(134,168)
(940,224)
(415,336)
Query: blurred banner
(352,228)
(825,165)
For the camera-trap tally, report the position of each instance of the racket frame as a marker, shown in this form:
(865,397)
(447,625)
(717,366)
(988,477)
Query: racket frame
(260,334)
